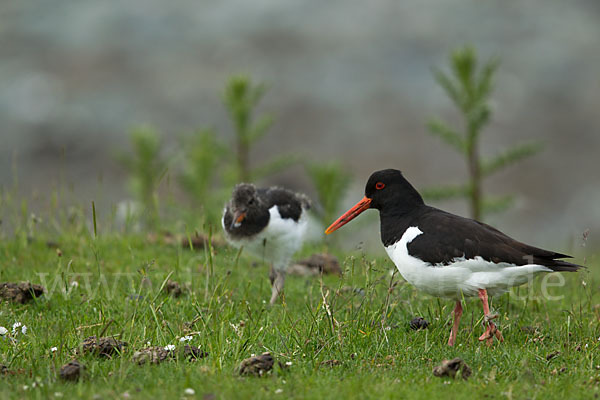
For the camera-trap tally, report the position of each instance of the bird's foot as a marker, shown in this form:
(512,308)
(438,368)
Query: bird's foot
(491,331)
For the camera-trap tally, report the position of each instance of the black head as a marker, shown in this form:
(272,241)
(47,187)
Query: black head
(386,191)
(244,197)
(245,207)
(389,191)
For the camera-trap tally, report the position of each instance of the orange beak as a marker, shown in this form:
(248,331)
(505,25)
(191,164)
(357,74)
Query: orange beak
(237,219)
(240,218)
(349,215)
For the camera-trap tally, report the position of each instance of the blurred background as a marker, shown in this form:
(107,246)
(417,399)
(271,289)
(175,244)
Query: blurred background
(346,81)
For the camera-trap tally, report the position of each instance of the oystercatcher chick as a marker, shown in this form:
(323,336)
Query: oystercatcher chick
(446,255)
(268,222)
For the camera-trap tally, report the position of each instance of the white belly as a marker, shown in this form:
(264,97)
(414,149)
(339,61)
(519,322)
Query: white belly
(277,243)
(463,277)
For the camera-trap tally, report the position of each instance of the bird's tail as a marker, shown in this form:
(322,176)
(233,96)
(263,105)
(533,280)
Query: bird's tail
(561,266)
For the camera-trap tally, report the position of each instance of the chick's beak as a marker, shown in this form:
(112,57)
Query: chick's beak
(238,217)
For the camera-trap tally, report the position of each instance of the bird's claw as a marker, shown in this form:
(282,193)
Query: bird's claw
(491,332)
(488,318)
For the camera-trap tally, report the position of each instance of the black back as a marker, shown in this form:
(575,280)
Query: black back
(290,204)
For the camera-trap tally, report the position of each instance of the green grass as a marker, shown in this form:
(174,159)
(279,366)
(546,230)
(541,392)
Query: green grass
(366,330)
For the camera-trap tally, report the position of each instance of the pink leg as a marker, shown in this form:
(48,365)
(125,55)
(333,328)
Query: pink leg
(491,329)
(457,313)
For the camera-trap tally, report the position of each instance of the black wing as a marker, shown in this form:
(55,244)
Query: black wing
(447,236)
(289,204)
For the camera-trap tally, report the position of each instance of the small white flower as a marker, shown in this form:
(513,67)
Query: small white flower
(185,339)
(278,391)
(170,347)
(58,394)
(288,363)
(3,331)
(25,387)
(53,349)
(74,284)
(15,326)
(583,283)
(148,343)
(24,329)
(189,391)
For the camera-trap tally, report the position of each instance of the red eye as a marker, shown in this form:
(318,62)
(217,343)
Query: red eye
(379,185)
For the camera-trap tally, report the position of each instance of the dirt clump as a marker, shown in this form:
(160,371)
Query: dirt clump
(257,365)
(451,368)
(315,265)
(21,292)
(103,346)
(72,371)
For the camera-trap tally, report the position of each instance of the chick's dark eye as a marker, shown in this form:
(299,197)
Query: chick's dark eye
(379,185)
(250,202)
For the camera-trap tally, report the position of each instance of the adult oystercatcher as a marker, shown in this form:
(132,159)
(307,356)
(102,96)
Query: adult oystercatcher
(268,222)
(446,255)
